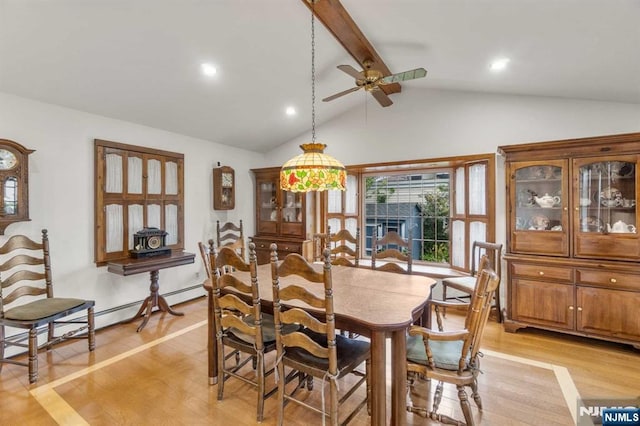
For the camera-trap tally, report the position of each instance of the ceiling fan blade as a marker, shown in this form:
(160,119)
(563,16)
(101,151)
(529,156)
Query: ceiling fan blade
(404,76)
(351,71)
(381,97)
(337,95)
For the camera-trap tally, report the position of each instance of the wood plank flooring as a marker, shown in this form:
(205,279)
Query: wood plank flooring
(159,377)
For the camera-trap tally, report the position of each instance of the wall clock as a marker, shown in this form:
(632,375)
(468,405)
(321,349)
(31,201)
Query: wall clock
(224,190)
(149,242)
(14,183)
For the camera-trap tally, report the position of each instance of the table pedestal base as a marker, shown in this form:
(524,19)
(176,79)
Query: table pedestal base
(154,299)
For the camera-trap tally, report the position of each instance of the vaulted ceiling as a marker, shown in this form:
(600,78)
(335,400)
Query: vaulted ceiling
(139,60)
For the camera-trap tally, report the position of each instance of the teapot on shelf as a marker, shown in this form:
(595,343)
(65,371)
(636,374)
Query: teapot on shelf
(547,201)
(621,227)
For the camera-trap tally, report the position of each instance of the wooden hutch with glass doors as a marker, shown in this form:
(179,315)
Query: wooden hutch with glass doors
(573,243)
(281,217)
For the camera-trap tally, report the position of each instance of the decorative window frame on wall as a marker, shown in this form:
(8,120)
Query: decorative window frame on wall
(136,187)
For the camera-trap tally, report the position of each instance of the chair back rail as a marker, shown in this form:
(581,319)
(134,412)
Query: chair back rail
(491,250)
(345,247)
(231,235)
(404,257)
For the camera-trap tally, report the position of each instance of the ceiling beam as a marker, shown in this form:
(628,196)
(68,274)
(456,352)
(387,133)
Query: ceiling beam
(337,20)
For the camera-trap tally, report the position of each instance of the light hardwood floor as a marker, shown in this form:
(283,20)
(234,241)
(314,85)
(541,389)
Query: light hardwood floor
(159,377)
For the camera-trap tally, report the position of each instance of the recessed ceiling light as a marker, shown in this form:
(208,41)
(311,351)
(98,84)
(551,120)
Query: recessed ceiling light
(290,111)
(499,64)
(209,70)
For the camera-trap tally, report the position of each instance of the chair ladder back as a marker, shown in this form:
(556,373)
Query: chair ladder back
(294,264)
(392,238)
(19,274)
(345,248)
(242,300)
(226,258)
(231,235)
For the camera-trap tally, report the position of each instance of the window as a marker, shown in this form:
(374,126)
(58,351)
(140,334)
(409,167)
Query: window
(443,205)
(342,207)
(414,205)
(135,188)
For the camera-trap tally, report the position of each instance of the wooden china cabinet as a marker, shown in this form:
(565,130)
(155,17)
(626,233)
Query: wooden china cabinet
(281,217)
(573,249)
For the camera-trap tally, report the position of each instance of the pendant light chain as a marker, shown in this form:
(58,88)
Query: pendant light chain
(313,76)
(313,170)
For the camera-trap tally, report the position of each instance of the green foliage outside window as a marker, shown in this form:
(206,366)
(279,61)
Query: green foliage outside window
(435,219)
(378,188)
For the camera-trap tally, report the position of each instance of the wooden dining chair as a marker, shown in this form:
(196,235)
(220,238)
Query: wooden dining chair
(231,235)
(394,247)
(209,261)
(320,242)
(466,284)
(208,255)
(28,266)
(453,356)
(315,350)
(239,324)
(344,247)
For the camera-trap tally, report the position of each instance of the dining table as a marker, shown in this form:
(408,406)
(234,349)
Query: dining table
(374,304)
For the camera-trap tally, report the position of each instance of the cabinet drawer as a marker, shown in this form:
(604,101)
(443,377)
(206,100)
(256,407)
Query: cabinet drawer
(262,244)
(283,246)
(555,273)
(289,247)
(608,279)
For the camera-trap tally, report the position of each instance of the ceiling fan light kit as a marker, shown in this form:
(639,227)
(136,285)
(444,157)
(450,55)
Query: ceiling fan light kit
(313,170)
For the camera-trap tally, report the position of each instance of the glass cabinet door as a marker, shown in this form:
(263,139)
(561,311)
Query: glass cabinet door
(539,211)
(267,207)
(292,207)
(292,216)
(605,207)
(607,201)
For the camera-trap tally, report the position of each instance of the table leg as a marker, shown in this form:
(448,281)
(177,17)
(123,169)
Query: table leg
(211,342)
(378,379)
(398,378)
(154,299)
(148,304)
(164,306)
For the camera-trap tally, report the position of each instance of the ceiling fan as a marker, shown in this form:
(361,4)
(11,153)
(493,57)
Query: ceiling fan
(371,79)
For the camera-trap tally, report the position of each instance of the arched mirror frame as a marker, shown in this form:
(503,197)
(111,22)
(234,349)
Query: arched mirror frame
(16,167)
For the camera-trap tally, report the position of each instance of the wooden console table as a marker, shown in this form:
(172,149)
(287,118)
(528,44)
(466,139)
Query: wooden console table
(131,266)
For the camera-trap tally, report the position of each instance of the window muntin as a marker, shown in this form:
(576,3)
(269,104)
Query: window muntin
(414,204)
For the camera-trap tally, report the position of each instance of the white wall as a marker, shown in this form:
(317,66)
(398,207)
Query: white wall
(436,123)
(61,195)
(421,124)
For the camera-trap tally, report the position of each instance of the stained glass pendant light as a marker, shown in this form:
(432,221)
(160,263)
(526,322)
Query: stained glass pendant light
(313,170)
